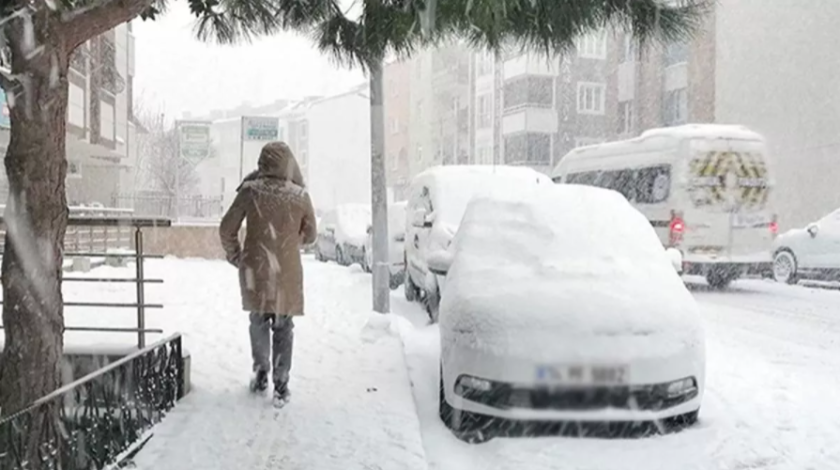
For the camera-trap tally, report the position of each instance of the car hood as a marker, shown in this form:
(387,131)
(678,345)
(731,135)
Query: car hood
(527,319)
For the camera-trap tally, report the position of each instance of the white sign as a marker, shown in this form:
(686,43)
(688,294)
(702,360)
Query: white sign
(260,128)
(194,140)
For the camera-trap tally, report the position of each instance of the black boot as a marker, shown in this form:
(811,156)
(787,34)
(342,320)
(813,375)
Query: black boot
(281,395)
(259,382)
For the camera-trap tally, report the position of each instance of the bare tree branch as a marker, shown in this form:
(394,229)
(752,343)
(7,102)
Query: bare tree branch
(98,17)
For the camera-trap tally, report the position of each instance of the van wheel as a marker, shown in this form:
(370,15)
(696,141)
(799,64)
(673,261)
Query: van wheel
(784,267)
(719,279)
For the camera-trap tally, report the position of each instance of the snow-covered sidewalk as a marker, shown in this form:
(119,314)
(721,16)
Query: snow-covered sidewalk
(351,405)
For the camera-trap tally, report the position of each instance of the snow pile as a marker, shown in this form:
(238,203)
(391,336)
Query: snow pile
(353,222)
(534,263)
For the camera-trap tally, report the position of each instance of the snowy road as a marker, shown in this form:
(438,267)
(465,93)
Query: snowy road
(773,368)
(773,365)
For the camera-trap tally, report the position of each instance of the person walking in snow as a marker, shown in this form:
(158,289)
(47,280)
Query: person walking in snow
(279,219)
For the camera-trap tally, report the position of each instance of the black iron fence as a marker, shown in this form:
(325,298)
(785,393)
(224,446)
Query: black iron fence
(89,423)
(139,280)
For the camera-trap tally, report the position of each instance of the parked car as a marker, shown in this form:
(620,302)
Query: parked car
(342,234)
(560,304)
(437,200)
(396,232)
(810,253)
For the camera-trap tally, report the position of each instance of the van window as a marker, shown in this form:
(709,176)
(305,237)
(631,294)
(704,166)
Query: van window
(648,185)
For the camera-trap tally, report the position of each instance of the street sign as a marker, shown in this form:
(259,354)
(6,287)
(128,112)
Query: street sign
(260,128)
(194,140)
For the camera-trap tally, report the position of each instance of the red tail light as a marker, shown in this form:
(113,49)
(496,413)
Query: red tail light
(774,227)
(676,228)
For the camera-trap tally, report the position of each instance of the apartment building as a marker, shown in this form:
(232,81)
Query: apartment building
(101,130)
(752,64)
(397,112)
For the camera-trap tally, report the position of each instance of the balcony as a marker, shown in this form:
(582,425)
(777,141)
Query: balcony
(530,64)
(530,119)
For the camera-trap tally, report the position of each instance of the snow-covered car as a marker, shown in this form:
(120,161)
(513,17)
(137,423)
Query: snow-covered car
(342,234)
(437,200)
(811,253)
(396,233)
(561,305)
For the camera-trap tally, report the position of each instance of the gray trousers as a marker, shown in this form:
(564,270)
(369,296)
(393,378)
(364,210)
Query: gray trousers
(272,337)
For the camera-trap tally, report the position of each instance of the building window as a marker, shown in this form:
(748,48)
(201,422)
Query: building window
(302,130)
(675,107)
(628,49)
(675,53)
(528,148)
(484,155)
(593,45)
(485,116)
(529,91)
(625,117)
(107,127)
(395,126)
(420,110)
(591,98)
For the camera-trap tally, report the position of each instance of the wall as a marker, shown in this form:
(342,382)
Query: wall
(339,149)
(397,76)
(785,85)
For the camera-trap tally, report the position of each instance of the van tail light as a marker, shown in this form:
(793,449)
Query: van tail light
(676,229)
(774,226)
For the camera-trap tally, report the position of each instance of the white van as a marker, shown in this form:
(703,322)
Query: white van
(437,200)
(705,188)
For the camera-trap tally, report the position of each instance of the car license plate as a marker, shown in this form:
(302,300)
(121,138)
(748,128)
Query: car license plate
(582,375)
(747,220)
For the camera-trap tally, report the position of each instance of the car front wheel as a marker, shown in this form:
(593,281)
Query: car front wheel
(784,267)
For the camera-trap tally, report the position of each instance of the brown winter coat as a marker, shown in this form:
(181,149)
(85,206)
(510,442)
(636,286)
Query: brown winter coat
(279,218)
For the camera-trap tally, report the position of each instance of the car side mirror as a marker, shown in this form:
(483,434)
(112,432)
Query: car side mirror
(813,230)
(370,229)
(330,230)
(439,262)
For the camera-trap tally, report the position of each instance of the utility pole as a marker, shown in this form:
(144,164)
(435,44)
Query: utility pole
(379,193)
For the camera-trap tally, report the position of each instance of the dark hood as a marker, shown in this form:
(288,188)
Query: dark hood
(276,161)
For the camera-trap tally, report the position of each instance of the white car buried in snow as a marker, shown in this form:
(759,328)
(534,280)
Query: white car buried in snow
(561,305)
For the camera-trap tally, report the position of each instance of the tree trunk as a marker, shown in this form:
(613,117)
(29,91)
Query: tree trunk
(379,195)
(36,215)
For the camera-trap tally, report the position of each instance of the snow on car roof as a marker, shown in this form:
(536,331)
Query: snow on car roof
(456,185)
(710,131)
(562,259)
(353,220)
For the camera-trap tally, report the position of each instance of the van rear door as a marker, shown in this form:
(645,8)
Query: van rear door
(728,218)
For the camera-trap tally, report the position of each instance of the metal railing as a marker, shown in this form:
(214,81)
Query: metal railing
(139,256)
(92,238)
(88,423)
(161,205)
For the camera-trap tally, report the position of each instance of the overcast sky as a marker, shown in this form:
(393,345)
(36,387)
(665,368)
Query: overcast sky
(176,73)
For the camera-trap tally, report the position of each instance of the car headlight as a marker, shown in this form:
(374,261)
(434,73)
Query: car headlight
(681,387)
(468,382)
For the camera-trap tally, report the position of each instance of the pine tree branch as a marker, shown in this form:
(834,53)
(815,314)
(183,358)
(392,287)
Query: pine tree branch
(89,21)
